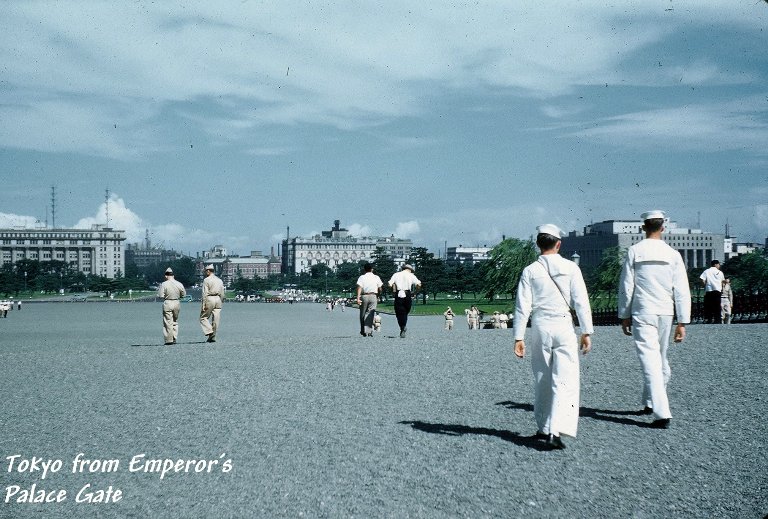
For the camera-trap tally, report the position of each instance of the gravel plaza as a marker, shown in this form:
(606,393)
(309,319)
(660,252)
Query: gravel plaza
(293,414)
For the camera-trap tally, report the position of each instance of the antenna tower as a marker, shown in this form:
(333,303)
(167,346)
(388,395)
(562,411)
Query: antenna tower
(53,205)
(106,200)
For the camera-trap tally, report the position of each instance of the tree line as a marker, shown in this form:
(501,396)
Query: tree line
(494,278)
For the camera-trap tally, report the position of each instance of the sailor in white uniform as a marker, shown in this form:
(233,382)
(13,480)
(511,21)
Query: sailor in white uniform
(548,289)
(652,288)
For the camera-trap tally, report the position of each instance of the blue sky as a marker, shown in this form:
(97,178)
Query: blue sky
(444,122)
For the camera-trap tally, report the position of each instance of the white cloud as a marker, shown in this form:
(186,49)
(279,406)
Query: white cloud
(359,230)
(760,218)
(8,220)
(407,229)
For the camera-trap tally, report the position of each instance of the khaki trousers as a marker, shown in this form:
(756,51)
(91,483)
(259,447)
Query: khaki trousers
(211,310)
(171,309)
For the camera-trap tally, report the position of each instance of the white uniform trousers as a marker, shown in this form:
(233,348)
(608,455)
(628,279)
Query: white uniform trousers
(211,308)
(555,363)
(651,334)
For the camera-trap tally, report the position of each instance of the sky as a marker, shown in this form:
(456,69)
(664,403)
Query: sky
(449,123)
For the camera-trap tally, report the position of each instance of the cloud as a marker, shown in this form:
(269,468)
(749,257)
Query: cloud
(99,78)
(407,229)
(359,230)
(9,221)
(760,218)
(726,126)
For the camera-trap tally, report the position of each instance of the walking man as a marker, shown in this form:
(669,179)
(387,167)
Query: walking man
(171,291)
(402,284)
(448,314)
(653,287)
(368,288)
(726,302)
(213,297)
(547,291)
(712,280)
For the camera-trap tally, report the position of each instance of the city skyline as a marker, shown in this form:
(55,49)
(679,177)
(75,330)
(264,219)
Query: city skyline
(448,126)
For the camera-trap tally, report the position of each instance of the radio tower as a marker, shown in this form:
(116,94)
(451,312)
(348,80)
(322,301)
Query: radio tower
(106,200)
(53,205)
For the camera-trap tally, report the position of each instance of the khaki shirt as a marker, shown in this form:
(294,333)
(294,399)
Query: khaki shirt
(171,289)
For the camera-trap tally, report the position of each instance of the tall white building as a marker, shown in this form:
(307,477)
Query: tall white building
(698,248)
(98,250)
(334,247)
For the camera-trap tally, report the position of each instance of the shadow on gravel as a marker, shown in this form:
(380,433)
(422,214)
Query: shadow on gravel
(160,345)
(606,415)
(460,430)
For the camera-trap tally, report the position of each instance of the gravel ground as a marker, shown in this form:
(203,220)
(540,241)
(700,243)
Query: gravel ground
(320,422)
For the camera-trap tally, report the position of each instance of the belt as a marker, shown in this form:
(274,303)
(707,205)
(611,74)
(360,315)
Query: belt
(369,293)
(169,299)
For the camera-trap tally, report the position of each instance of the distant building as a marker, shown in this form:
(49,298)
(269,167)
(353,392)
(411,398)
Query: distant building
(466,255)
(96,251)
(144,254)
(336,246)
(698,248)
(231,268)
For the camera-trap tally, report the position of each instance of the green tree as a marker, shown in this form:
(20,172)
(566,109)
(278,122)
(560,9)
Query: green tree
(748,273)
(429,270)
(383,264)
(605,277)
(505,264)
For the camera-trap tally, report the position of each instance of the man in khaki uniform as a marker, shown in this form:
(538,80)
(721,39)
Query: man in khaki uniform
(171,291)
(213,297)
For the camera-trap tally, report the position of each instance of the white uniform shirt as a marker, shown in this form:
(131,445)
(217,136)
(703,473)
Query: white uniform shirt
(404,280)
(538,294)
(654,281)
(714,278)
(369,282)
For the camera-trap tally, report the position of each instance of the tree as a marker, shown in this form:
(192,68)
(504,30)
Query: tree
(506,261)
(605,278)
(429,270)
(383,264)
(748,273)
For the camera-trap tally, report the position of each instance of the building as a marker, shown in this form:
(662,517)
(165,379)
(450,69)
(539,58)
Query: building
(232,267)
(144,254)
(96,251)
(336,246)
(466,255)
(698,248)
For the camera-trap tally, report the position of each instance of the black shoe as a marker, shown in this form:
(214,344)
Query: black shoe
(370,335)
(170,343)
(647,410)
(661,423)
(541,436)
(402,333)
(211,338)
(555,443)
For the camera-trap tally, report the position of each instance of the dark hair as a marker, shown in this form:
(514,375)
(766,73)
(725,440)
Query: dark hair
(653,224)
(368,267)
(714,262)
(546,241)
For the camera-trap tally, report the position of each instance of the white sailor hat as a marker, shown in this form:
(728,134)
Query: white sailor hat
(209,267)
(169,270)
(551,229)
(650,215)
(409,267)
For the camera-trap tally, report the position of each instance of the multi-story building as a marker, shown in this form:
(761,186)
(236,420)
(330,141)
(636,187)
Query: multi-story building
(466,255)
(232,267)
(698,248)
(334,247)
(98,250)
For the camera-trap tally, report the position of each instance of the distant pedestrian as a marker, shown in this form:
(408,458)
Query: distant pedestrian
(726,302)
(712,280)
(448,314)
(377,322)
(404,285)
(368,288)
(473,318)
(213,297)
(548,289)
(653,287)
(171,291)
(18,307)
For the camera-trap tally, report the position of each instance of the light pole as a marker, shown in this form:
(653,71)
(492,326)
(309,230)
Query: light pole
(575,257)
(25,281)
(326,282)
